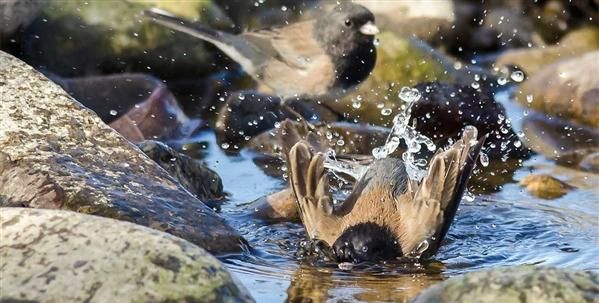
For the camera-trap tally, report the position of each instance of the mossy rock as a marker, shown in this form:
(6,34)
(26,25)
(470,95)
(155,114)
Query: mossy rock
(76,38)
(62,256)
(516,284)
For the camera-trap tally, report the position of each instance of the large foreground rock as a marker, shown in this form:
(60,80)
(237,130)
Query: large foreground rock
(516,284)
(61,256)
(54,153)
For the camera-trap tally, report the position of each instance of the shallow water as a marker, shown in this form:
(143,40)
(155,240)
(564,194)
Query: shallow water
(508,227)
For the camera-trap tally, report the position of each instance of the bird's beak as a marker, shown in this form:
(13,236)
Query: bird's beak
(369,29)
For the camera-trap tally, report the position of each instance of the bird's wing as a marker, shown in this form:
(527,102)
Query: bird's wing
(310,184)
(293,45)
(427,215)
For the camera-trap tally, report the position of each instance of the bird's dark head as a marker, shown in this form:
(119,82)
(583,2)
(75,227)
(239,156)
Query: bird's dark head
(347,24)
(366,242)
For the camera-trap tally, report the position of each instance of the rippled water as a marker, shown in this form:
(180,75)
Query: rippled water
(509,227)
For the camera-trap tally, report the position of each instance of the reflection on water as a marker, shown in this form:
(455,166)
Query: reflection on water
(508,227)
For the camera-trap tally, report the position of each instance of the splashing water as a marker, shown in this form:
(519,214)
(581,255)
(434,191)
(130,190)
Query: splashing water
(354,170)
(416,168)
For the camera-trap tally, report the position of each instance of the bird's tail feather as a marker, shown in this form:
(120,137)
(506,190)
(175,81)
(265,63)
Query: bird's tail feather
(234,46)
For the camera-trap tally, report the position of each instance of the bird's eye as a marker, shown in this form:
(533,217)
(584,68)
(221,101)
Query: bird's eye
(348,23)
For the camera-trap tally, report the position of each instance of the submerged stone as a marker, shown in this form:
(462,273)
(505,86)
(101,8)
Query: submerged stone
(61,256)
(66,157)
(545,186)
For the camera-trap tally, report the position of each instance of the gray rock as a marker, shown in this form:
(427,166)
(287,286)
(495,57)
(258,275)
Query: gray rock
(516,284)
(17,13)
(66,157)
(61,256)
(567,89)
(194,175)
(532,60)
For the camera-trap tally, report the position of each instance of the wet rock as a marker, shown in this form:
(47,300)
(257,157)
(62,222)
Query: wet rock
(532,60)
(516,284)
(138,106)
(566,142)
(566,89)
(77,38)
(158,117)
(276,207)
(61,256)
(445,109)
(46,132)
(402,62)
(15,14)
(507,28)
(194,175)
(545,186)
(249,113)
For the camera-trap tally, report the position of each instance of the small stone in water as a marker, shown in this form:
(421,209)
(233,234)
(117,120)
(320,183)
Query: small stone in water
(517,76)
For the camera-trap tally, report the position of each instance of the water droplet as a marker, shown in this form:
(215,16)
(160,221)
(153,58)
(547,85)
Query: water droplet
(475,85)
(340,142)
(468,196)
(517,76)
(517,143)
(501,81)
(484,159)
(409,95)
(284,8)
(225,145)
(241,97)
(386,111)
(529,99)
(113,112)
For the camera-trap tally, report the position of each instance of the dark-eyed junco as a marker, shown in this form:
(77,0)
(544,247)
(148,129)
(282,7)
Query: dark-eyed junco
(326,56)
(387,215)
